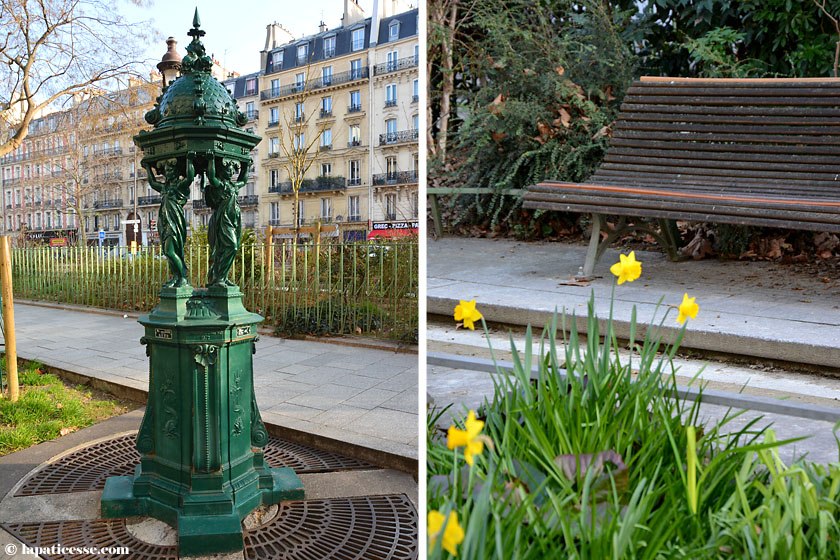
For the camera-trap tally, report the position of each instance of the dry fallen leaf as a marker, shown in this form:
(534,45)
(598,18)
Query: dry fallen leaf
(65,431)
(560,70)
(565,117)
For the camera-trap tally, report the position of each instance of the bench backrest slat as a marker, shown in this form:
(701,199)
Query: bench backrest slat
(759,134)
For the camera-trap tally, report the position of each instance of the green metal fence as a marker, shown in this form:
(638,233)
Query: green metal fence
(328,288)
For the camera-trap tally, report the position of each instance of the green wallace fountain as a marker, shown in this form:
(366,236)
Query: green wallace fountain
(202,468)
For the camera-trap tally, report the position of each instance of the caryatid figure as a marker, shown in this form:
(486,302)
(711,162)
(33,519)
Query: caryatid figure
(224,231)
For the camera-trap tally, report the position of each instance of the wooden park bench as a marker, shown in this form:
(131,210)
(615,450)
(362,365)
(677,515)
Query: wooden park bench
(759,152)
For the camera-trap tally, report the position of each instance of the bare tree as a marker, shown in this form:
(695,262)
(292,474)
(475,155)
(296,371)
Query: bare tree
(821,6)
(300,149)
(52,49)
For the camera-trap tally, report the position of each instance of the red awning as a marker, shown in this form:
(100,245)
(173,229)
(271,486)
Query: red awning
(392,233)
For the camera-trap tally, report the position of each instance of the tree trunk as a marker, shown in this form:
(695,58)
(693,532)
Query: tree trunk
(448,85)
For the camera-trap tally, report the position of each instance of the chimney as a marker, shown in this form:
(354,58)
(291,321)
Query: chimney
(275,35)
(352,13)
(322,27)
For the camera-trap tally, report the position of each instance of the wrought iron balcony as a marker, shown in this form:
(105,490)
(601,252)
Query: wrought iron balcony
(249,200)
(274,154)
(310,185)
(108,203)
(354,181)
(315,83)
(415,98)
(199,203)
(325,147)
(252,115)
(394,65)
(354,143)
(329,53)
(299,118)
(324,114)
(12,182)
(354,108)
(390,103)
(398,137)
(149,200)
(395,178)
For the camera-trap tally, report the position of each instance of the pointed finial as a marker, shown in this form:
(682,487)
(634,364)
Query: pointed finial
(195,32)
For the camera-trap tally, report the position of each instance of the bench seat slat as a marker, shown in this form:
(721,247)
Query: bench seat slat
(734,100)
(699,178)
(728,137)
(630,120)
(728,128)
(753,172)
(688,216)
(781,149)
(803,191)
(807,92)
(763,159)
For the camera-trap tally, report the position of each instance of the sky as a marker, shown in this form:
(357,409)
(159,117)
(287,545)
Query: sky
(235,30)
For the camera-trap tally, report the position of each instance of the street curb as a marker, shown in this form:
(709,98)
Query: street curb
(378,457)
(362,342)
(708,341)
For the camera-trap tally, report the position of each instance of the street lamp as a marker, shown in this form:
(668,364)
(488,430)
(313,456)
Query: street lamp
(170,64)
(202,468)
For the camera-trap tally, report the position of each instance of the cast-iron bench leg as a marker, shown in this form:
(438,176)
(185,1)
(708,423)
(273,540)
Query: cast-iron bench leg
(433,202)
(592,252)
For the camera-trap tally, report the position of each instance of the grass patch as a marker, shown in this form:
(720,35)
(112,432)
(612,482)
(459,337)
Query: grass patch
(47,409)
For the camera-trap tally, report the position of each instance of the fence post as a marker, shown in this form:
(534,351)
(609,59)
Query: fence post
(9,316)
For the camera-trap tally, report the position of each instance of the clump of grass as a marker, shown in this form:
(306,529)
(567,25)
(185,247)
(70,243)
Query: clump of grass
(602,461)
(47,409)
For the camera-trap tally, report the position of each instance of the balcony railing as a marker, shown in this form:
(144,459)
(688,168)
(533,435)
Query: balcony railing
(12,182)
(354,143)
(108,152)
(310,185)
(354,218)
(252,115)
(415,98)
(149,200)
(108,203)
(274,154)
(398,137)
(354,181)
(390,103)
(273,123)
(324,114)
(395,178)
(249,200)
(299,118)
(315,83)
(394,65)
(354,108)
(325,147)
(329,53)
(199,203)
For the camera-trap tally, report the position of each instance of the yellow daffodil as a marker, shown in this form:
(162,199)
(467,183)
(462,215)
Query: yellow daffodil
(627,269)
(466,312)
(468,439)
(453,535)
(687,309)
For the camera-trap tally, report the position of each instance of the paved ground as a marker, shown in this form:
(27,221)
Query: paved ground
(361,396)
(467,389)
(15,468)
(755,309)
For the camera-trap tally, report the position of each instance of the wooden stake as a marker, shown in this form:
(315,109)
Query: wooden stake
(8,316)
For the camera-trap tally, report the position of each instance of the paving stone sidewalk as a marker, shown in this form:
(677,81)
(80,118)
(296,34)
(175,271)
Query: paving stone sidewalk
(754,309)
(361,396)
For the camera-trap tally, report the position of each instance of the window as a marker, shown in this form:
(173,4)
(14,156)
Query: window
(275,87)
(251,87)
(274,145)
(326,139)
(303,54)
(329,47)
(391,95)
(249,109)
(355,172)
(326,106)
(356,69)
(277,60)
(326,169)
(355,137)
(353,209)
(355,102)
(391,130)
(299,112)
(391,167)
(391,63)
(326,75)
(415,122)
(394,31)
(326,209)
(301,212)
(273,116)
(274,178)
(391,206)
(416,55)
(416,97)
(300,142)
(358,40)
(300,81)
(275,213)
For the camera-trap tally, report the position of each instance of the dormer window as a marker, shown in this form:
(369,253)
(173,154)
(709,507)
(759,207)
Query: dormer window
(394,31)
(329,47)
(277,60)
(303,54)
(358,39)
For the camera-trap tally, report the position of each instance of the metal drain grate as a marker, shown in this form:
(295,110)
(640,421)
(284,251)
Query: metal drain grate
(101,533)
(371,527)
(87,468)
